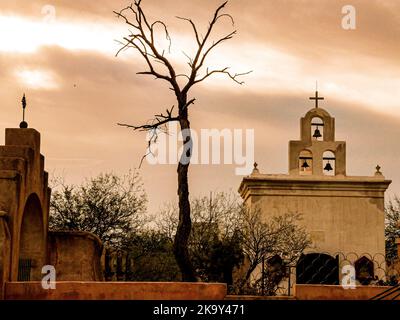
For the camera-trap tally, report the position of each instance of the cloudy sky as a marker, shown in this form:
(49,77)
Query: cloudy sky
(61,53)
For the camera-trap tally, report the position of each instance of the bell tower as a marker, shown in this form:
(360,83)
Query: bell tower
(317,153)
(343,214)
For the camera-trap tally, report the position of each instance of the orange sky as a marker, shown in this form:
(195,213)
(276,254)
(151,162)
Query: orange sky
(77,90)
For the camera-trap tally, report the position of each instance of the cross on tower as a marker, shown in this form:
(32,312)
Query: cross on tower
(316,98)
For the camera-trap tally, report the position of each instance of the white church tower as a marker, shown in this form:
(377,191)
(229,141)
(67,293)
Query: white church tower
(344,215)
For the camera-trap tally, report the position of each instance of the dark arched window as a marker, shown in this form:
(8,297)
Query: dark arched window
(364,270)
(317,268)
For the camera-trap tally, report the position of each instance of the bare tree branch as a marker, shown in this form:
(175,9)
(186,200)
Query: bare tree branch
(190,63)
(158,121)
(214,44)
(194,29)
(224,71)
(148,46)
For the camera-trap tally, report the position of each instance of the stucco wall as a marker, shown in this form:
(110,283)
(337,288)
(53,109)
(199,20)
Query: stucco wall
(76,256)
(341,215)
(321,292)
(116,291)
(343,224)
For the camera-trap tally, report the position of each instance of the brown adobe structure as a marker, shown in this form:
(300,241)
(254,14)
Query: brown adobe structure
(26,245)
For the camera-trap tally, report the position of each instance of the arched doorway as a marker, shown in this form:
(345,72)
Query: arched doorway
(5,248)
(317,268)
(32,249)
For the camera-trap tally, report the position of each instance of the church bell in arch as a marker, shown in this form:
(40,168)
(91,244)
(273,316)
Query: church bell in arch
(305,164)
(317,133)
(328,167)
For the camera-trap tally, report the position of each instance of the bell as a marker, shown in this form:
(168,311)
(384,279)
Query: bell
(328,167)
(317,134)
(305,165)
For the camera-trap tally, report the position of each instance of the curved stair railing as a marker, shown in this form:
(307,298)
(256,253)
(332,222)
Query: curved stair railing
(391,293)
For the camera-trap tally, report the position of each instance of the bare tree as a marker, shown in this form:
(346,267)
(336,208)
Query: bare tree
(224,218)
(214,244)
(279,236)
(219,208)
(142,39)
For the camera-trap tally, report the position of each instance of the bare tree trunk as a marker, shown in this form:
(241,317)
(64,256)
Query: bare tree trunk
(141,38)
(181,251)
(252,267)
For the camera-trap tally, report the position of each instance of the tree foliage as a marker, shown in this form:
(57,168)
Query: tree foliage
(110,206)
(272,243)
(229,241)
(392,227)
(263,239)
(152,257)
(214,243)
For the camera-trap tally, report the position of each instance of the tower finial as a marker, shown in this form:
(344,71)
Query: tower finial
(378,170)
(23,124)
(255,169)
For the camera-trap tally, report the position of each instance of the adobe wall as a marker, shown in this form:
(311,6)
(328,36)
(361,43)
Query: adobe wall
(321,292)
(23,189)
(116,291)
(24,212)
(75,255)
(5,250)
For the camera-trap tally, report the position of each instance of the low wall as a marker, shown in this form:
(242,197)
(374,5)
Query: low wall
(75,255)
(330,292)
(250,298)
(71,290)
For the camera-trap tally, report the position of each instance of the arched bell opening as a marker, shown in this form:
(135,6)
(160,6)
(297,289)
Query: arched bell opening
(32,251)
(317,129)
(305,162)
(329,163)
